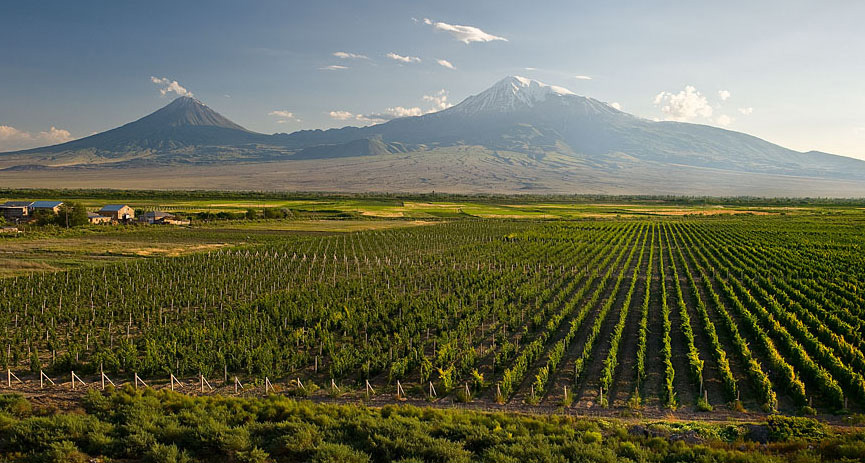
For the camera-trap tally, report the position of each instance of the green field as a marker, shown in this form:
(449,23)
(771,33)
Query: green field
(700,310)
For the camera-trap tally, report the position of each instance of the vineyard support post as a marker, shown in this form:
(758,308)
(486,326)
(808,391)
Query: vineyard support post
(104,377)
(73,377)
(139,380)
(42,376)
(10,375)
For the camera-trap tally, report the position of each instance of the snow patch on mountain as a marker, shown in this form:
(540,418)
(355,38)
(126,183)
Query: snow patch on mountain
(510,93)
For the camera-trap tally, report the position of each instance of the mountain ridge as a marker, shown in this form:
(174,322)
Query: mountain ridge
(515,114)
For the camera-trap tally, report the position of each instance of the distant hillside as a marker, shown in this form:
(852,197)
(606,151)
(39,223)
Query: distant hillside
(537,135)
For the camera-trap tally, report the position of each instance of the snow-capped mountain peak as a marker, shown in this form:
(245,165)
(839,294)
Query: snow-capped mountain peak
(511,93)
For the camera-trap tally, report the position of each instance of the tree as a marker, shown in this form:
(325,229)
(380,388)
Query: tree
(251,214)
(71,215)
(273,213)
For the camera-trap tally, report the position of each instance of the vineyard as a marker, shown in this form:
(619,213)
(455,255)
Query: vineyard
(758,313)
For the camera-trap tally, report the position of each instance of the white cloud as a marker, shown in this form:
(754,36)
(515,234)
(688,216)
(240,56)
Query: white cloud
(392,113)
(347,55)
(341,115)
(583,77)
(616,105)
(531,69)
(439,100)
(724,95)
(465,34)
(746,111)
(403,59)
(687,105)
(445,63)
(724,120)
(169,86)
(282,113)
(15,139)
(284,116)
(371,119)
(333,67)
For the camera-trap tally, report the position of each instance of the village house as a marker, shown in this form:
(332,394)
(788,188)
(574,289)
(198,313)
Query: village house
(49,206)
(95,218)
(161,218)
(118,212)
(15,210)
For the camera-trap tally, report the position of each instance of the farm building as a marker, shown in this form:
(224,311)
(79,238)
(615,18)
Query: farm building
(95,218)
(159,217)
(15,210)
(118,212)
(50,206)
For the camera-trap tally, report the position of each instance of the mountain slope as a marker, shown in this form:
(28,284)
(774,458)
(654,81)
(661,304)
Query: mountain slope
(183,124)
(558,137)
(528,116)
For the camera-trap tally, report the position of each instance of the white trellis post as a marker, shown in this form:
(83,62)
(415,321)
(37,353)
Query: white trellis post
(204,382)
(432,390)
(267,385)
(10,375)
(104,377)
(236,384)
(172,379)
(73,377)
(43,376)
(369,388)
(139,380)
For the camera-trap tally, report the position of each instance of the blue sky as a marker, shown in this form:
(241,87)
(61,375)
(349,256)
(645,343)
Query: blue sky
(788,71)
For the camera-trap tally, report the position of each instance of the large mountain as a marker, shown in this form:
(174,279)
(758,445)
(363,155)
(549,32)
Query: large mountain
(527,116)
(519,128)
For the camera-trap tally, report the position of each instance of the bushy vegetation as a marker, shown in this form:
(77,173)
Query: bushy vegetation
(148,426)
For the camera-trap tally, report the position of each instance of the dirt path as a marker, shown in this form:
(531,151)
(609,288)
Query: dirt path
(652,390)
(61,397)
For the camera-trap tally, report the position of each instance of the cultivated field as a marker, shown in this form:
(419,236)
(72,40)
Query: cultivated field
(657,312)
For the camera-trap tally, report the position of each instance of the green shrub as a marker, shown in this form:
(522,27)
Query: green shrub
(160,453)
(254,455)
(63,452)
(784,428)
(338,453)
(15,404)
(703,405)
(592,437)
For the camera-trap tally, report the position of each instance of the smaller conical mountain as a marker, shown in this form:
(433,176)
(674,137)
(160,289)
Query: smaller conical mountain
(185,111)
(185,124)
